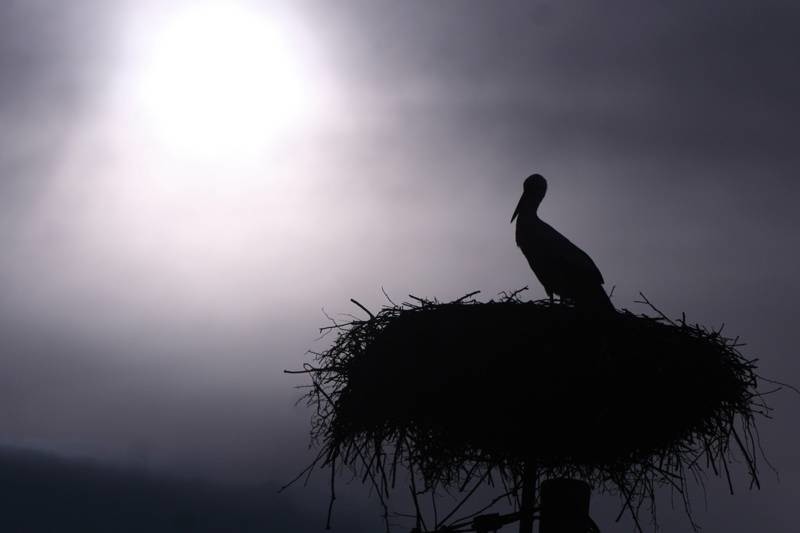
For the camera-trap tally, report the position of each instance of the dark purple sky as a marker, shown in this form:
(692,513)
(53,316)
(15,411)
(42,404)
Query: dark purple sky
(154,287)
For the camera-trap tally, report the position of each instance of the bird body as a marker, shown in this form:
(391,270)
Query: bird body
(560,266)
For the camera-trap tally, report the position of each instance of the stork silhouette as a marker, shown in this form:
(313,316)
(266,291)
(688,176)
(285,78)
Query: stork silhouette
(561,267)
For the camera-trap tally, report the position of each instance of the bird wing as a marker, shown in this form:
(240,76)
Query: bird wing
(575,264)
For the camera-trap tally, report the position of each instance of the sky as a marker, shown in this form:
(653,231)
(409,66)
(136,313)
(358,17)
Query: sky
(185,187)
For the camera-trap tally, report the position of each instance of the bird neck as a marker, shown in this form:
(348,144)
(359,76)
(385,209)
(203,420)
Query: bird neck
(532,206)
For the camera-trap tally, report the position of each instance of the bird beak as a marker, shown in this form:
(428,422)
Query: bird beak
(516,211)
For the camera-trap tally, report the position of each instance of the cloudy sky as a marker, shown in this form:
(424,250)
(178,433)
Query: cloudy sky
(185,186)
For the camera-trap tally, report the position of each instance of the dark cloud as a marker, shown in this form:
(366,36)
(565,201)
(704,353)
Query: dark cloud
(698,81)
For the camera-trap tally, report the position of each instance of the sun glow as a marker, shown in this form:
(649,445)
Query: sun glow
(190,171)
(220,79)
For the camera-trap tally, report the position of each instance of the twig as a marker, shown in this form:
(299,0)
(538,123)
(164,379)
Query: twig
(362,307)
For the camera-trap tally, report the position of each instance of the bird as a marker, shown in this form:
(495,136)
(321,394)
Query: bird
(560,266)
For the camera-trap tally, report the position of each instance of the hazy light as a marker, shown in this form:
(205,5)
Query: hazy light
(184,180)
(219,79)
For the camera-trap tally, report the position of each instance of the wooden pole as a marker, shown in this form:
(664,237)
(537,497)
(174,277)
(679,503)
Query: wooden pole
(565,506)
(528,498)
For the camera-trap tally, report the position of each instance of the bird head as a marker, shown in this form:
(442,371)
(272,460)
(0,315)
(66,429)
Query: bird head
(533,191)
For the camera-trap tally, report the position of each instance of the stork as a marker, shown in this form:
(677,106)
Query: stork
(561,267)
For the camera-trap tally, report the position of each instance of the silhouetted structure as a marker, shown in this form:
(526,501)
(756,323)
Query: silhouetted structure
(526,393)
(561,267)
(565,507)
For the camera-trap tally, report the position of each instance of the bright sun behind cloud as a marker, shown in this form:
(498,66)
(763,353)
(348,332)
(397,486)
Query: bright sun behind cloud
(220,79)
(186,177)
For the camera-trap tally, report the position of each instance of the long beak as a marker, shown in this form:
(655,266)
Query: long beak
(516,211)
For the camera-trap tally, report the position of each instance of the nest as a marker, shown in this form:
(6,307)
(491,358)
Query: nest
(463,392)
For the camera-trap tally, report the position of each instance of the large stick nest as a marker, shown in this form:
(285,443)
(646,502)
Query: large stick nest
(453,392)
